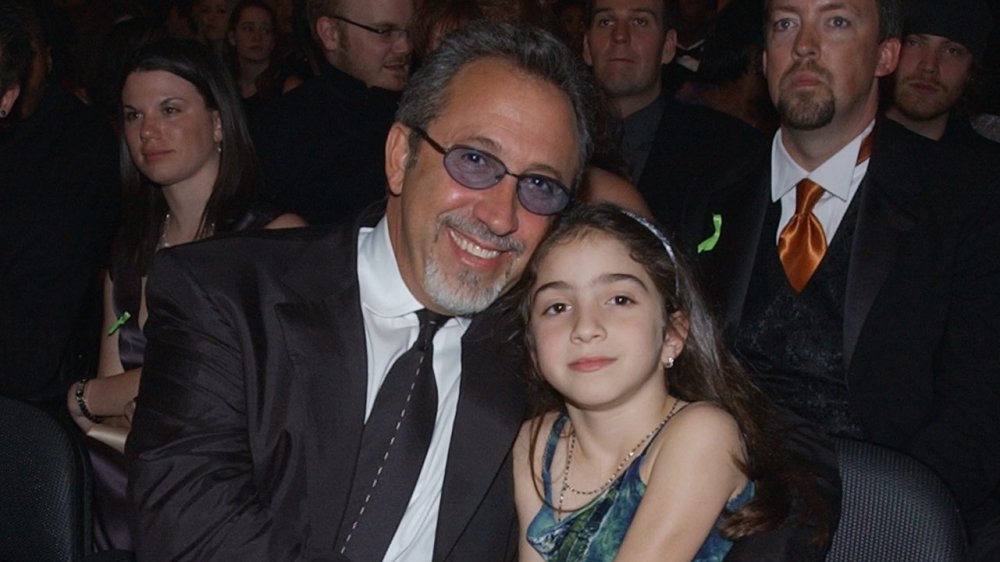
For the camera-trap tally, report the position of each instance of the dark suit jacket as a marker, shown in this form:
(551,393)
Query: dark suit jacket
(922,307)
(253,404)
(695,147)
(322,146)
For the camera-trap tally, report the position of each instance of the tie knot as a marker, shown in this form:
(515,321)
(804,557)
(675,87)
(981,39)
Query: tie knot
(430,323)
(807,193)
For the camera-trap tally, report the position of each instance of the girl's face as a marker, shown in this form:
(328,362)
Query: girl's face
(171,134)
(253,37)
(600,333)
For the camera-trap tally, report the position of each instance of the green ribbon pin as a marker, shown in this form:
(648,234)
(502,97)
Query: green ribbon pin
(120,322)
(709,243)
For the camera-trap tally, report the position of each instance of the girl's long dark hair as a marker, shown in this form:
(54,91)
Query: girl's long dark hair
(238,181)
(704,371)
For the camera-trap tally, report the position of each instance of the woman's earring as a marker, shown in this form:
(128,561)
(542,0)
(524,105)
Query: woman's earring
(218,147)
(3,113)
(669,362)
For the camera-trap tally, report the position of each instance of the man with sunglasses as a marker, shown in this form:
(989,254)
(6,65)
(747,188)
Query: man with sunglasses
(320,145)
(272,356)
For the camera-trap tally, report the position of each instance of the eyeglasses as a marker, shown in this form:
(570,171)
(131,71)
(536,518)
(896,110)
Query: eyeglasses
(477,169)
(386,34)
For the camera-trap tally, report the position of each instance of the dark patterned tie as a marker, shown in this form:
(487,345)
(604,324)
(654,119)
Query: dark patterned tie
(393,446)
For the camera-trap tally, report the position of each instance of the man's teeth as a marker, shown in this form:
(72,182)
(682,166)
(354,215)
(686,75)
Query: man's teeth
(474,249)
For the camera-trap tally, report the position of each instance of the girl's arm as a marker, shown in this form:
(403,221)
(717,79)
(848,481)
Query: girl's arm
(287,220)
(108,394)
(525,495)
(691,473)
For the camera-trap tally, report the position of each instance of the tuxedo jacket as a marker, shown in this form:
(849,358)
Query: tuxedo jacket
(921,317)
(253,404)
(694,147)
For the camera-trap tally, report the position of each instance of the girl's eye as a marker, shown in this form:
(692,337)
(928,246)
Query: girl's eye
(839,22)
(621,300)
(171,110)
(131,116)
(553,309)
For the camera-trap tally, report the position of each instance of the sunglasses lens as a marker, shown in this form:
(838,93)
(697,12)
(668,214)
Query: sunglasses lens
(476,169)
(473,168)
(541,195)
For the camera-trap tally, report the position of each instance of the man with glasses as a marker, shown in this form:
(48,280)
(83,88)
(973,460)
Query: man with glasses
(350,392)
(321,145)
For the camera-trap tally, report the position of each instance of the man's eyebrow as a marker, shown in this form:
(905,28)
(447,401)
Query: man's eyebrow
(493,147)
(834,6)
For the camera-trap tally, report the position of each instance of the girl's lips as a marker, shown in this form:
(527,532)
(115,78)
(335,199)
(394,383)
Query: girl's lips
(590,364)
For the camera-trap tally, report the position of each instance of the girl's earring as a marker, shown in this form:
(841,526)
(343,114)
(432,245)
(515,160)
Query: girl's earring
(669,362)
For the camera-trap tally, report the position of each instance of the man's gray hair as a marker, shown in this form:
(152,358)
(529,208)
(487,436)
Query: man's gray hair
(529,49)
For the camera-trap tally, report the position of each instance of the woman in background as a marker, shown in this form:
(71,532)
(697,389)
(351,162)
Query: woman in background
(188,172)
(252,38)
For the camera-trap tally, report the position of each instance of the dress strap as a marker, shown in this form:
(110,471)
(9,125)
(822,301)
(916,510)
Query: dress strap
(550,451)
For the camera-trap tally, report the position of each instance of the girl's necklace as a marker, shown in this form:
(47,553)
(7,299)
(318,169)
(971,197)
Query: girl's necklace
(626,460)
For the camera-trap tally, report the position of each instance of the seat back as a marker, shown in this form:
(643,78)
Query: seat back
(44,487)
(895,509)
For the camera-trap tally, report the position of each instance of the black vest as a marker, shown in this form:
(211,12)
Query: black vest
(794,343)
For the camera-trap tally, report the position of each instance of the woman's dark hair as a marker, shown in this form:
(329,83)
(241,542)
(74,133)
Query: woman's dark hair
(734,44)
(704,371)
(238,180)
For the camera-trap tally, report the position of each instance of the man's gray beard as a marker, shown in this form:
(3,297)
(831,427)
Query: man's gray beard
(806,114)
(464,295)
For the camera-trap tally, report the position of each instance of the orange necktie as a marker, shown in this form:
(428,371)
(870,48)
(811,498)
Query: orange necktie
(802,243)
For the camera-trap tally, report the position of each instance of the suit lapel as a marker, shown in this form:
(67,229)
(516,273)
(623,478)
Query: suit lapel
(726,269)
(490,412)
(325,345)
(884,223)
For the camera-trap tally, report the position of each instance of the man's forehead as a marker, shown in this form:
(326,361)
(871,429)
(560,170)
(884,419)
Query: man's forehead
(378,12)
(654,7)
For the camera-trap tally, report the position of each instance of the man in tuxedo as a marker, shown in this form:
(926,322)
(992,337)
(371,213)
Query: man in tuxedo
(271,355)
(668,147)
(857,272)
(320,145)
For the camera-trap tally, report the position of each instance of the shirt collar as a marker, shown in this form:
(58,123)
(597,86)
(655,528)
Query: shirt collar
(383,291)
(835,175)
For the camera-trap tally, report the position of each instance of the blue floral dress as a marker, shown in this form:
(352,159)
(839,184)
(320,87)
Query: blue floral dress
(595,532)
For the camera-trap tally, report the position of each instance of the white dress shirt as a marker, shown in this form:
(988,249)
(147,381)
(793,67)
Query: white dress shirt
(840,176)
(391,327)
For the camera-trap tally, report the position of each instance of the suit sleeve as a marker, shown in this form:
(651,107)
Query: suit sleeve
(962,440)
(192,492)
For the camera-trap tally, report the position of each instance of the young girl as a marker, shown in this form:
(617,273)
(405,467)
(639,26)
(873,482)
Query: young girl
(648,439)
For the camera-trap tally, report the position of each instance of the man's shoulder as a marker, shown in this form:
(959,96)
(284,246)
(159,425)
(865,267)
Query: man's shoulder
(689,125)
(232,260)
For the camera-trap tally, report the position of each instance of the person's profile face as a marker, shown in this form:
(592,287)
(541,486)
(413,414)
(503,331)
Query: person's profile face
(458,248)
(172,136)
(931,77)
(822,60)
(626,44)
(378,61)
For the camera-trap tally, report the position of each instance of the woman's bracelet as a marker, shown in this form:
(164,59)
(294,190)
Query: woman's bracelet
(82,402)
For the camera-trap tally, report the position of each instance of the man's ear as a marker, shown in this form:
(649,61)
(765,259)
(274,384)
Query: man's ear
(328,33)
(888,57)
(586,49)
(669,47)
(397,156)
(8,99)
